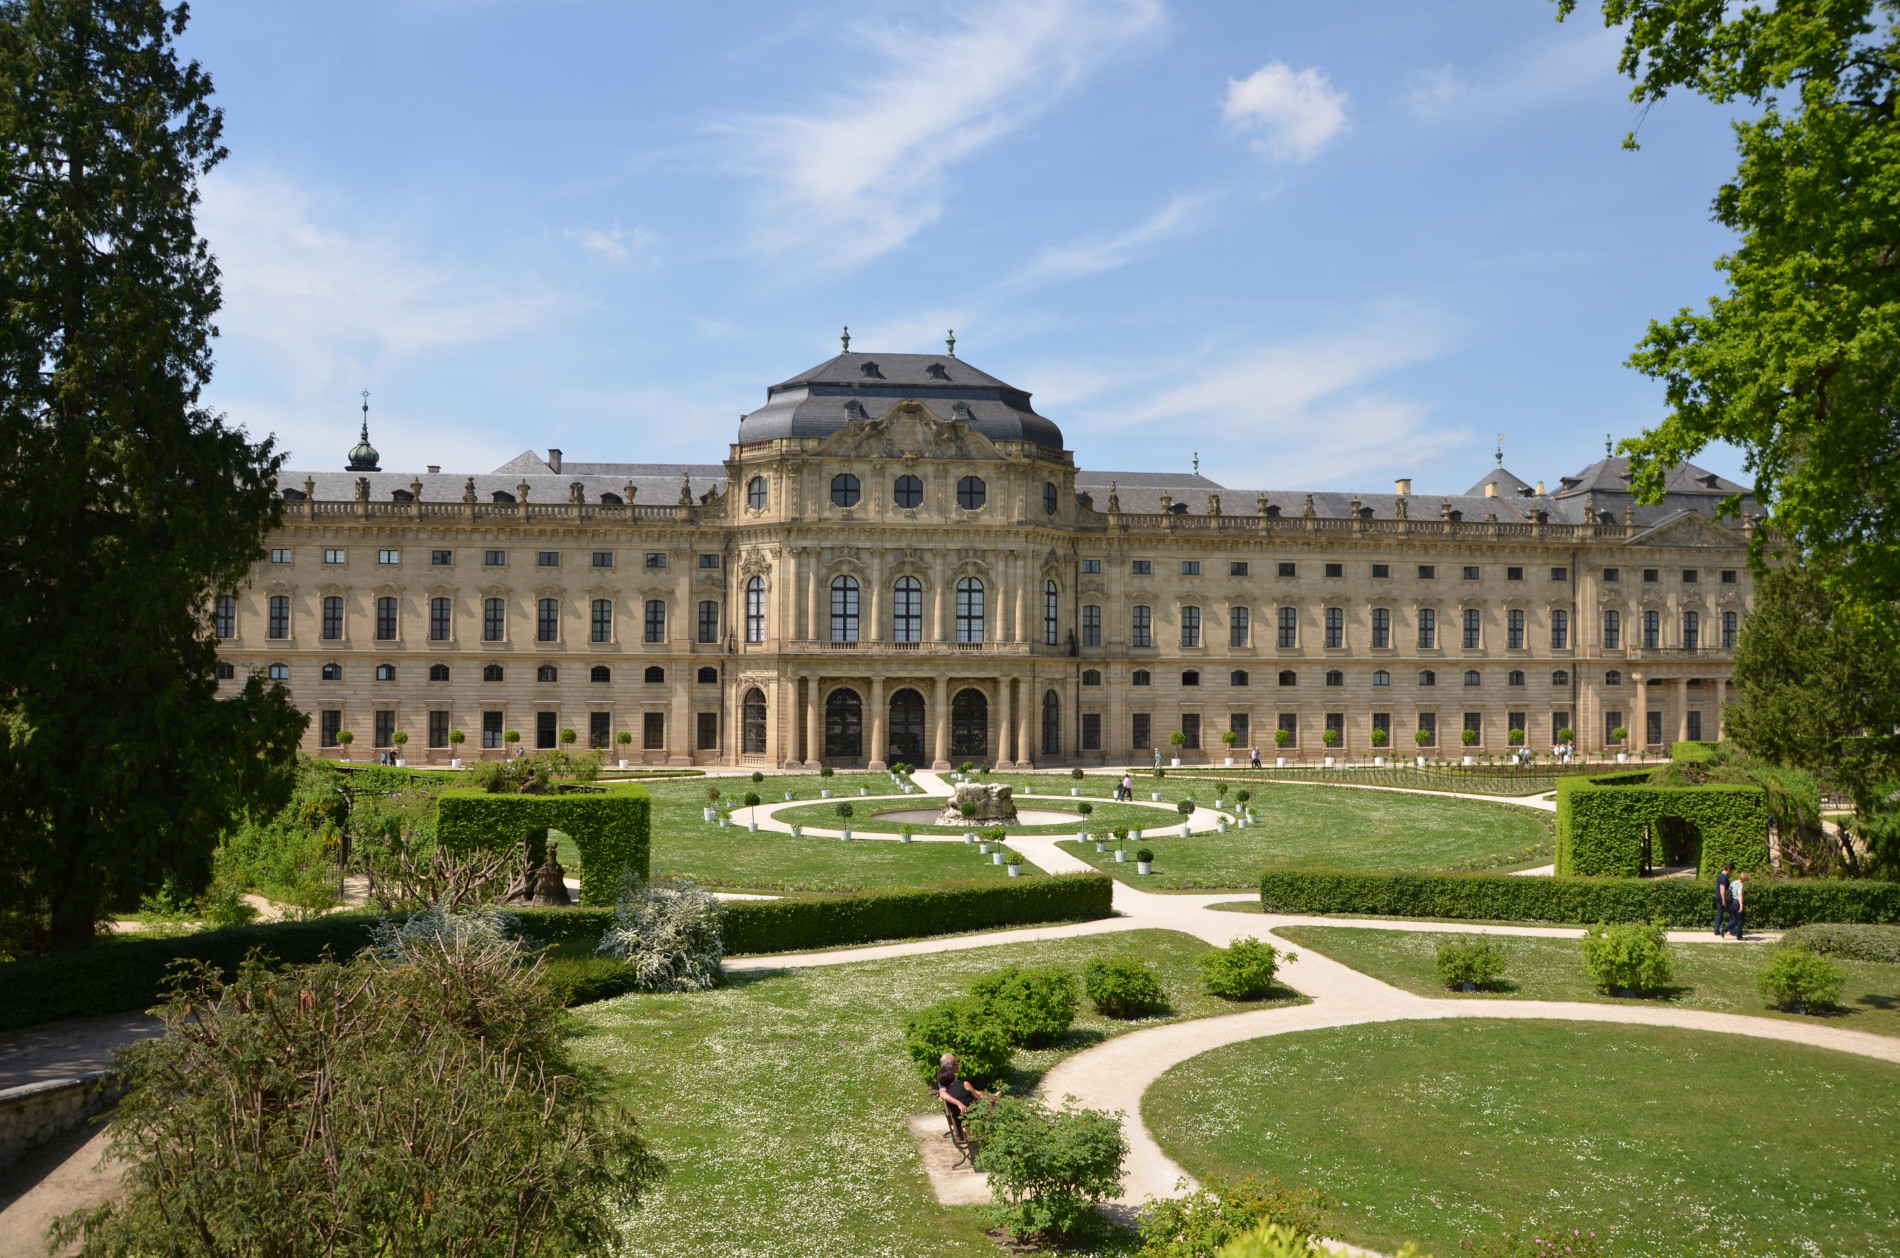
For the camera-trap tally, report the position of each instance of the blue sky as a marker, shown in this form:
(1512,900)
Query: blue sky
(1322,245)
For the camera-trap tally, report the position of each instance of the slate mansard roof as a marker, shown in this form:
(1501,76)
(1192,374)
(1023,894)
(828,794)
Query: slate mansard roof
(819,402)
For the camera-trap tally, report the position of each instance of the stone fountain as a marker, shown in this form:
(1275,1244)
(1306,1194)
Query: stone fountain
(988,802)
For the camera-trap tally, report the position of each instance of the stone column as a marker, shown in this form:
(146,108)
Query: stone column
(940,725)
(877,581)
(1639,719)
(1715,718)
(880,715)
(938,594)
(1022,597)
(787,589)
(814,732)
(679,737)
(1002,723)
(815,617)
(1026,749)
(1682,715)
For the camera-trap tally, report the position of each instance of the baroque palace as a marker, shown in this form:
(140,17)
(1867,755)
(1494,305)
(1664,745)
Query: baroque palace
(899,560)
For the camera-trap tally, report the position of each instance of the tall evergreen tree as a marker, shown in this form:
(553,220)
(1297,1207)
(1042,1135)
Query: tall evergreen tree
(125,505)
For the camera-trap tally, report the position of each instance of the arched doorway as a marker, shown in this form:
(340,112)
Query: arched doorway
(844,725)
(969,725)
(752,722)
(907,727)
(1051,723)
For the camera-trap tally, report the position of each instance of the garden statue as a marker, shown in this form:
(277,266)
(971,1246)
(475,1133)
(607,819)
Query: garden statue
(979,801)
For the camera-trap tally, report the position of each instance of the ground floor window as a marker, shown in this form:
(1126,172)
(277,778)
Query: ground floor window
(1559,722)
(438,729)
(907,726)
(1336,726)
(545,732)
(385,728)
(1612,721)
(1695,727)
(491,729)
(1655,728)
(1051,724)
(1514,724)
(970,724)
(752,713)
(330,724)
(1290,724)
(1382,724)
(1428,726)
(1141,731)
(1474,722)
(708,731)
(1191,730)
(600,729)
(653,731)
(1091,731)
(1238,722)
(844,724)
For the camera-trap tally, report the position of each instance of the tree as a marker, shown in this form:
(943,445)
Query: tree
(1798,363)
(125,505)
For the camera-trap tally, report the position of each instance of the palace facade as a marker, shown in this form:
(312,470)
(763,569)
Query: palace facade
(899,560)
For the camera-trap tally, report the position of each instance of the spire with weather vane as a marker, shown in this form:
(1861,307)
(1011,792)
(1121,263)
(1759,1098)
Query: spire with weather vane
(364,457)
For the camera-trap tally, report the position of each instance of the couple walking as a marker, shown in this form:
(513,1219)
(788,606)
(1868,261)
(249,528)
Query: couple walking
(1731,892)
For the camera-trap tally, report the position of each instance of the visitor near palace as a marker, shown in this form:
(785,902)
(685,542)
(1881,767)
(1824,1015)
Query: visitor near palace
(1737,890)
(958,1096)
(1722,881)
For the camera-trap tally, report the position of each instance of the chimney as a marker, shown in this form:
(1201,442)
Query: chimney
(1403,486)
(554,460)
(1540,489)
(435,469)
(1490,489)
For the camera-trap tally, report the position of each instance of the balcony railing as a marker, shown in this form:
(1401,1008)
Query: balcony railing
(820,646)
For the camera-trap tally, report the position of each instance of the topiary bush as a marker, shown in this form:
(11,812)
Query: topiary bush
(756,775)
(1243,970)
(825,771)
(1600,825)
(1473,963)
(966,1026)
(1048,1168)
(1144,854)
(1122,987)
(1223,1210)
(752,799)
(1799,978)
(1034,1006)
(1854,942)
(1185,808)
(1627,957)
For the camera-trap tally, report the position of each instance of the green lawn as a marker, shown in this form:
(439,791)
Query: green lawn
(1305,827)
(1719,976)
(781,1102)
(1663,1141)
(1476,781)
(1106,815)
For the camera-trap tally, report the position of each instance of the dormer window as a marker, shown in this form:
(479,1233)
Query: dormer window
(854,409)
(936,372)
(611,500)
(502,495)
(401,495)
(869,371)
(962,411)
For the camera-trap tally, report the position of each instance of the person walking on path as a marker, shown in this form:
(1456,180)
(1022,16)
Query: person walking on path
(1737,905)
(1253,754)
(1722,881)
(1157,757)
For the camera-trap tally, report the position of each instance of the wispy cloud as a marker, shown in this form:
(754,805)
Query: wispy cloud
(864,171)
(615,245)
(1553,70)
(1094,254)
(1300,110)
(1429,93)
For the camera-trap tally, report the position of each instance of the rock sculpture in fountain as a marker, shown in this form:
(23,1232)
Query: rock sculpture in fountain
(987,802)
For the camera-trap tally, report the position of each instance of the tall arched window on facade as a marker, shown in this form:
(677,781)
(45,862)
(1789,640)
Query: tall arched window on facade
(844,724)
(969,610)
(755,493)
(755,610)
(1051,611)
(844,609)
(752,721)
(970,724)
(1051,724)
(907,611)
(907,726)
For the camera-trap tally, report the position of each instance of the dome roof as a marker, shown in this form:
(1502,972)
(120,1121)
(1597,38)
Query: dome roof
(363,456)
(819,402)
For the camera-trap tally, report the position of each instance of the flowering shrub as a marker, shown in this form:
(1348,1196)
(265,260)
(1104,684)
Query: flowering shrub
(1033,1006)
(668,931)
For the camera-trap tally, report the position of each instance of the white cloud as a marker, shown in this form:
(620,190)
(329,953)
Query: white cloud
(1299,110)
(1104,253)
(1554,69)
(865,171)
(1429,93)
(615,245)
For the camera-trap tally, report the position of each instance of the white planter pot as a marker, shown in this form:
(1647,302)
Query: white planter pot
(1186,829)
(788,794)
(1121,856)
(1220,805)
(1470,759)
(1101,847)
(1174,762)
(1329,762)
(983,847)
(1155,796)
(1075,790)
(864,790)
(1222,827)
(456,764)
(847,834)
(824,794)
(996,858)
(753,826)
(1421,762)
(723,823)
(1015,871)
(1230,762)
(904,837)
(1621,758)
(1134,836)
(798,832)
(1279,762)
(623,764)
(1144,867)
(1081,836)
(1378,762)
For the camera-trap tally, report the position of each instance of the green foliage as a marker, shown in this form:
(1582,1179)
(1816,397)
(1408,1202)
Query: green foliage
(1085,808)
(1620,734)
(1282,737)
(1566,734)
(1423,737)
(1854,942)
(825,771)
(1468,737)
(1222,1210)
(610,830)
(1122,987)
(1772,905)
(756,775)
(1185,808)
(1144,854)
(846,810)
(1626,956)
(751,799)
(495,1148)
(1243,970)
(1177,739)
(750,926)
(1329,736)
(1272,1240)
(1799,978)
(569,737)
(1475,959)
(1034,1006)
(1049,1168)
(1600,824)
(1516,737)
(1243,794)
(966,1026)
(1380,738)
(667,932)
(1076,773)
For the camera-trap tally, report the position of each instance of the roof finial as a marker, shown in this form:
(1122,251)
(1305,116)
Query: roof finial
(950,342)
(1607,450)
(1197,462)
(1500,449)
(364,457)
(846,338)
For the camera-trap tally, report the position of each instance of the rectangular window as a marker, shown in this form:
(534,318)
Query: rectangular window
(335,556)
(1336,725)
(1474,721)
(1290,722)
(388,556)
(1191,728)
(1335,569)
(1428,572)
(1559,722)
(1695,727)
(1514,722)
(1051,614)
(603,559)
(1381,571)
(546,731)
(1473,626)
(280,554)
(1190,567)
(1091,565)
(1141,731)
(1728,575)
(1382,724)
(1612,631)
(495,558)
(1514,629)
(1237,627)
(1427,628)
(656,559)
(755,612)
(441,558)
(1141,567)
(226,671)
(1690,576)
(1335,627)
(1288,570)
(708,731)
(385,620)
(491,730)
(1237,568)
(385,729)
(494,619)
(439,612)
(1654,733)
(224,621)
(1514,574)
(907,614)
(1729,622)
(1091,626)
(653,731)
(1190,626)
(1612,721)
(1651,576)
(1091,731)
(1381,628)
(1428,726)
(969,610)
(1691,631)
(1289,632)
(709,620)
(709,561)
(1612,574)
(438,729)
(548,621)
(279,626)
(1141,627)
(329,725)
(1652,630)
(548,558)
(600,730)
(656,620)
(1559,629)
(601,621)
(1237,721)
(1472,573)
(1560,574)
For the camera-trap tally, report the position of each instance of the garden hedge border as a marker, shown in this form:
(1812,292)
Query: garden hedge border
(613,831)
(124,975)
(1600,823)
(1679,902)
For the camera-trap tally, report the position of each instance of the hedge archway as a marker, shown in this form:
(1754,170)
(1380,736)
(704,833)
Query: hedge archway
(613,831)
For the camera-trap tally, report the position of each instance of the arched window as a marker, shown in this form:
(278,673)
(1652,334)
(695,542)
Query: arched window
(907,611)
(1515,678)
(969,724)
(1381,678)
(1289,678)
(755,610)
(1051,610)
(1473,677)
(1051,722)
(491,672)
(547,672)
(1381,628)
(969,610)
(655,675)
(385,672)
(844,609)
(907,726)
(1335,677)
(1141,677)
(1560,678)
(752,722)
(278,672)
(1238,677)
(385,620)
(332,672)
(1613,678)
(1091,677)
(1190,626)
(845,490)
(755,493)
(602,623)
(548,622)
(1048,499)
(1191,677)
(1428,678)
(600,672)
(972,493)
(438,672)
(1237,626)
(707,676)
(656,620)
(908,493)
(844,724)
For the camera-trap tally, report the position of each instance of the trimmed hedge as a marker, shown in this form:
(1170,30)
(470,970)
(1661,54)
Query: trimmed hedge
(1600,824)
(1680,902)
(611,830)
(795,925)
(1856,941)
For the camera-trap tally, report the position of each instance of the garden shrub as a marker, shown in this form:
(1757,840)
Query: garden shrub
(1271,1240)
(1799,978)
(790,925)
(1773,904)
(1854,942)
(668,931)
(1048,1168)
(532,1163)
(1222,1210)
(1600,824)
(1122,987)
(1475,960)
(966,1026)
(1626,956)
(611,830)
(1243,970)
(1035,1006)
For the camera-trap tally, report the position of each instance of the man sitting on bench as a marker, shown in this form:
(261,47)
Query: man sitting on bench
(957,1096)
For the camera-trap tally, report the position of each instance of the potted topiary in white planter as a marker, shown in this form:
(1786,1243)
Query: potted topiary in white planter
(1176,740)
(1330,737)
(752,815)
(1121,856)
(456,739)
(509,738)
(625,739)
(1075,773)
(1379,739)
(1229,738)
(1282,739)
(1145,861)
(845,810)
(1469,738)
(1619,736)
(401,739)
(904,835)
(344,738)
(1014,866)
